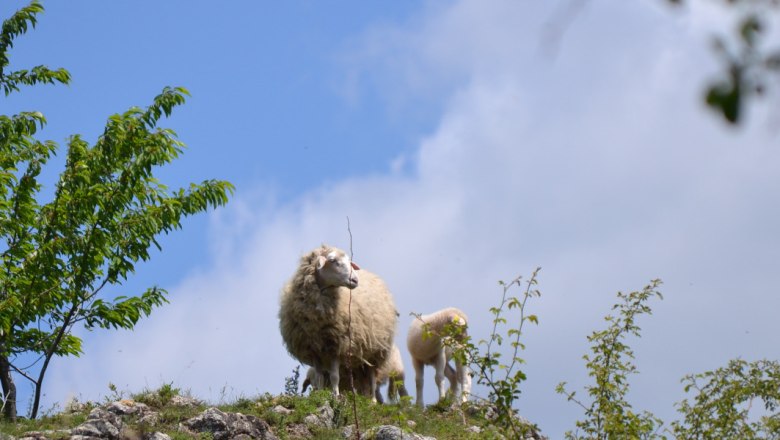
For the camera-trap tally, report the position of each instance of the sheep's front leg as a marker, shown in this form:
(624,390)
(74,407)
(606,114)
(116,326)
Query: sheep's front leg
(372,382)
(440,364)
(418,379)
(378,396)
(334,377)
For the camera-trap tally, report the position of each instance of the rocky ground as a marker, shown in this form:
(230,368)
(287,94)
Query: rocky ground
(129,419)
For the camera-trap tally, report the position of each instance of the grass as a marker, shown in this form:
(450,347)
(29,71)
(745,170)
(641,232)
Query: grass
(441,421)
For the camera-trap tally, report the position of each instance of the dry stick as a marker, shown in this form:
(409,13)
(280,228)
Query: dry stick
(349,347)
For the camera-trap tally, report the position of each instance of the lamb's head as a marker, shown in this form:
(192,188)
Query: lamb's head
(335,269)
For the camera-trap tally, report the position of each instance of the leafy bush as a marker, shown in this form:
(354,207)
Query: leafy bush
(502,379)
(609,415)
(726,396)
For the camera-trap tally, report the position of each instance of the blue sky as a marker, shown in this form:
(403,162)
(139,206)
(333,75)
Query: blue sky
(463,150)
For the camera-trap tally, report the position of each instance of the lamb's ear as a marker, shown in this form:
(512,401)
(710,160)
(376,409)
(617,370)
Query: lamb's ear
(321,260)
(354,265)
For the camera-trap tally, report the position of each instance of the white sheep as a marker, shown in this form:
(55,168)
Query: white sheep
(427,349)
(315,310)
(390,373)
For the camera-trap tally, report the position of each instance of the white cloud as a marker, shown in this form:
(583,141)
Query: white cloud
(601,167)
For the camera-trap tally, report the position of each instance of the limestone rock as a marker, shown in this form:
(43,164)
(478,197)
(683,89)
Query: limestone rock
(228,426)
(279,409)
(126,407)
(33,435)
(323,418)
(100,424)
(389,432)
(298,431)
(178,400)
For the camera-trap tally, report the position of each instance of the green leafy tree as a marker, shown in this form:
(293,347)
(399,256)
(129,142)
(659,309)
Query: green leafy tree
(106,213)
(724,400)
(609,415)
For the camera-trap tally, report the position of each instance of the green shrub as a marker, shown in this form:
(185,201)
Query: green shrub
(609,415)
(724,400)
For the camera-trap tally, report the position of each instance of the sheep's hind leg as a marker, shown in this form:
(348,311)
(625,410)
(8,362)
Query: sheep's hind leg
(449,373)
(440,364)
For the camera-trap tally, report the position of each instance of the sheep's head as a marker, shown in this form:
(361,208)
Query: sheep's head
(335,269)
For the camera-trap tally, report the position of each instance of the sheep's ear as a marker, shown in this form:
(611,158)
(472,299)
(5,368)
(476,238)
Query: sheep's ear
(321,262)
(354,265)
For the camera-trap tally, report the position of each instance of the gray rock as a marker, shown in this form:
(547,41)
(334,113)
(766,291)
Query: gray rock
(212,420)
(491,414)
(159,436)
(279,409)
(32,435)
(389,432)
(178,400)
(323,418)
(100,424)
(349,432)
(298,431)
(150,418)
(224,426)
(127,407)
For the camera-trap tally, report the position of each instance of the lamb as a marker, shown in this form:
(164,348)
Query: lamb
(314,380)
(427,349)
(314,317)
(390,373)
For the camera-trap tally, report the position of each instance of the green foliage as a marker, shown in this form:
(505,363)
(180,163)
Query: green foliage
(502,379)
(13,27)
(107,211)
(749,67)
(609,415)
(115,395)
(160,397)
(291,385)
(725,397)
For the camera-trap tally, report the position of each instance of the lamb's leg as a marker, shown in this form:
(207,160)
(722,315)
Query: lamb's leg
(452,377)
(464,380)
(418,379)
(334,377)
(439,364)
